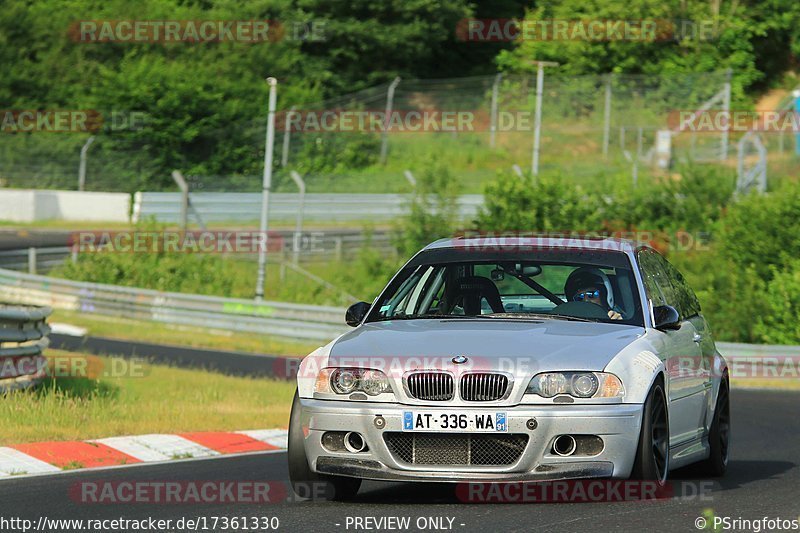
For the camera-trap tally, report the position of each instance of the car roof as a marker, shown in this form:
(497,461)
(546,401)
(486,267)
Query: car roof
(499,242)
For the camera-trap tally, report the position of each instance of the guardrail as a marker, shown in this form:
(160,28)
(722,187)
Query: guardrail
(312,245)
(222,206)
(34,259)
(296,321)
(23,336)
(742,350)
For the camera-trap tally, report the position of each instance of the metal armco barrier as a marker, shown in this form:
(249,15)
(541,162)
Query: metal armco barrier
(222,206)
(296,321)
(742,350)
(23,336)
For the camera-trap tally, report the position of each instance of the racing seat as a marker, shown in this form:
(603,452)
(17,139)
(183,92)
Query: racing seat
(470,290)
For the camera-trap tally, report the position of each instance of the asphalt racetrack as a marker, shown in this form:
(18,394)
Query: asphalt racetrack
(763,480)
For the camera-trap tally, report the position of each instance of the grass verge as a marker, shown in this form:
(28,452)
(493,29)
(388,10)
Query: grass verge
(145,399)
(765,383)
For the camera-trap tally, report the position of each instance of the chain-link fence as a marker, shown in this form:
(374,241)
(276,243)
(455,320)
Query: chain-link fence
(611,125)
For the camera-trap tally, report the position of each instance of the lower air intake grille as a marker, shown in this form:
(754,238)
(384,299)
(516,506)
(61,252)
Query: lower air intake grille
(458,449)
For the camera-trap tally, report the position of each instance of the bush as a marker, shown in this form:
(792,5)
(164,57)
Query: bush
(779,324)
(432,211)
(323,153)
(514,204)
(732,298)
(172,272)
(762,231)
(692,201)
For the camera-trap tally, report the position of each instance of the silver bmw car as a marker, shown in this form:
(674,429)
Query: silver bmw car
(517,359)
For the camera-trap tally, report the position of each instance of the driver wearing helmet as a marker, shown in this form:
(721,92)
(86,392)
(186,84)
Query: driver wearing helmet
(589,284)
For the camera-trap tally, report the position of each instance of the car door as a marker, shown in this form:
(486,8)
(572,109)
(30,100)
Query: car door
(690,309)
(680,352)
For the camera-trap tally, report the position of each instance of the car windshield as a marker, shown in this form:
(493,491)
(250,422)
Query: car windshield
(597,286)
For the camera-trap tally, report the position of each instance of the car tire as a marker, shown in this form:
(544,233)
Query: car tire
(305,482)
(652,454)
(719,435)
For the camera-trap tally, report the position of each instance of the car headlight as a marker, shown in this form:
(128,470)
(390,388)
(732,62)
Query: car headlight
(349,380)
(577,384)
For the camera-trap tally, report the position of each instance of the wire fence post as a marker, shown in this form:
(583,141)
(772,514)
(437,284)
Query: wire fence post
(177,177)
(726,108)
(265,190)
(298,228)
(493,126)
(639,143)
(385,133)
(537,128)
(410,178)
(31,260)
(82,166)
(796,96)
(607,117)
(287,133)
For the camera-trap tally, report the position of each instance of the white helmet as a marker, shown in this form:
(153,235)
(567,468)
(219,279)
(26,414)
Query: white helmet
(589,276)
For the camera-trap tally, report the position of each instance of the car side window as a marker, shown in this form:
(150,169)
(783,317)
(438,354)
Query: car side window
(651,272)
(687,303)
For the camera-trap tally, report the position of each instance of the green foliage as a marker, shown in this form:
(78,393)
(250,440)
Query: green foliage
(761,231)
(519,204)
(756,40)
(363,275)
(173,272)
(732,298)
(779,324)
(691,201)
(336,152)
(433,211)
(749,281)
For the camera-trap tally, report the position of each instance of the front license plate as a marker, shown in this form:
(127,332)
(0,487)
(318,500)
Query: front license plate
(454,421)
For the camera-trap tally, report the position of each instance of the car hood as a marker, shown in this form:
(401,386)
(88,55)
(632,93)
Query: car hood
(517,346)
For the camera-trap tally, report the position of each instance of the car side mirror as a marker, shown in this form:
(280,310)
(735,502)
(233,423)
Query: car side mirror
(356,313)
(666,317)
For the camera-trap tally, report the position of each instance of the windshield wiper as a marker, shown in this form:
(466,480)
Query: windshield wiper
(413,317)
(539,315)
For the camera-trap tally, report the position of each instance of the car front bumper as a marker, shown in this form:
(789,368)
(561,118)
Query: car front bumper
(617,425)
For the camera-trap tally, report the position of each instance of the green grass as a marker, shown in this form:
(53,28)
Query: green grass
(343,281)
(574,154)
(160,399)
(765,383)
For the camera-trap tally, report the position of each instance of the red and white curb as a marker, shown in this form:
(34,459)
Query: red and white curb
(50,457)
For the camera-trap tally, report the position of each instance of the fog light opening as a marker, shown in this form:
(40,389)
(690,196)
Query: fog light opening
(354,442)
(564,445)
